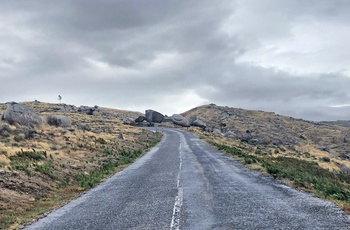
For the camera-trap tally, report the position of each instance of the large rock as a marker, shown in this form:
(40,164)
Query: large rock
(154,116)
(199,123)
(20,114)
(59,121)
(180,120)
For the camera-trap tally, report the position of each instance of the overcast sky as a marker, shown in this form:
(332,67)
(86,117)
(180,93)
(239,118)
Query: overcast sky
(291,57)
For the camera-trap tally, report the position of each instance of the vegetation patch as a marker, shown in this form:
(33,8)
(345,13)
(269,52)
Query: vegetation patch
(305,175)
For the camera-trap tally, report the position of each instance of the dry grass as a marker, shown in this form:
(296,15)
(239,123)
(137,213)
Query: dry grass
(59,158)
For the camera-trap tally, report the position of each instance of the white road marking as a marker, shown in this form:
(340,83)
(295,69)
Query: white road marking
(175,220)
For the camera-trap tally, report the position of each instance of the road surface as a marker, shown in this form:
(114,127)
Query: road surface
(184,184)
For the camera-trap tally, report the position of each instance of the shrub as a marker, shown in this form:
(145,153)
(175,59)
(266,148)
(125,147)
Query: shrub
(29,155)
(18,138)
(47,169)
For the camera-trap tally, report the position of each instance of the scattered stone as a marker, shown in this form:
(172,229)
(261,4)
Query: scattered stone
(86,109)
(120,136)
(140,119)
(154,116)
(322,148)
(209,129)
(20,114)
(59,121)
(65,131)
(84,126)
(230,134)
(217,132)
(5,128)
(129,121)
(29,133)
(180,120)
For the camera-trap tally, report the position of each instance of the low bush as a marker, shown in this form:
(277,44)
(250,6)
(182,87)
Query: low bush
(47,169)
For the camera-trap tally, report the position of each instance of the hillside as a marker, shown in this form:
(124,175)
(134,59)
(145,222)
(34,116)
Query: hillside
(42,166)
(270,133)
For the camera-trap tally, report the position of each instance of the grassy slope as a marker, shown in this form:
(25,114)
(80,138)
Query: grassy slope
(56,164)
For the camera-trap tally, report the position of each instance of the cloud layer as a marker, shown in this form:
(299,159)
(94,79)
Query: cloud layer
(289,56)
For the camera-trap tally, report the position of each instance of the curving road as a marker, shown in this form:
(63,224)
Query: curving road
(184,184)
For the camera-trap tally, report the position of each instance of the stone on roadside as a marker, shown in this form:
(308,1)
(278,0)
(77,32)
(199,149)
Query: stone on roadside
(180,120)
(153,116)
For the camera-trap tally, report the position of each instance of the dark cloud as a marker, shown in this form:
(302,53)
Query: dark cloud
(173,55)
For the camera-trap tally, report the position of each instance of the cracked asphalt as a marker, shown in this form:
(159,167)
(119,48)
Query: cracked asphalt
(183,183)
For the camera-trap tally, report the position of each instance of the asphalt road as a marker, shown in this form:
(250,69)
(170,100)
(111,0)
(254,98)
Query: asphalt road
(184,184)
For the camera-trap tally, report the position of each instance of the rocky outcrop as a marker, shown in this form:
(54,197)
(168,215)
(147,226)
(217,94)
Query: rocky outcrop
(20,114)
(59,121)
(154,116)
(180,120)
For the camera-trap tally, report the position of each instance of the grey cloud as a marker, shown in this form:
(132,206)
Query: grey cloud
(56,49)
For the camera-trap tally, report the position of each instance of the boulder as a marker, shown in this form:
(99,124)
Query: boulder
(154,116)
(140,119)
(20,114)
(120,136)
(199,123)
(59,121)
(180,120)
